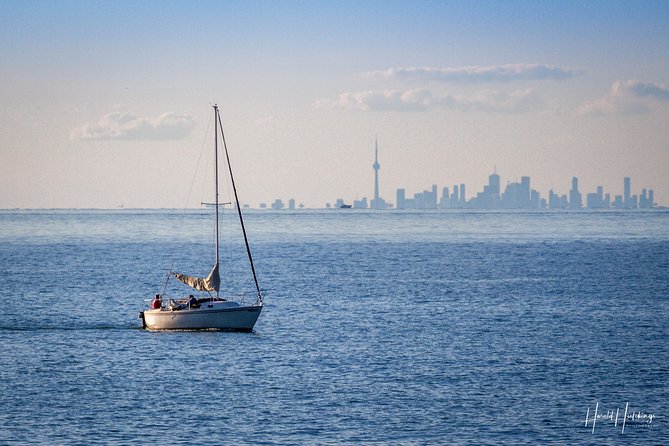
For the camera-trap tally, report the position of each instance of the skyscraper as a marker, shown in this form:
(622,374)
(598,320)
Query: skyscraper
(489,198)
(526,197)
(627,198)
(455,196)
(401,199)
(651,198)
(493,183)
(377,202)
(575,201)
(445,201)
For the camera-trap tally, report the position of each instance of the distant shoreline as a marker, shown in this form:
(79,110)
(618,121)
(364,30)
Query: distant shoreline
(346,210)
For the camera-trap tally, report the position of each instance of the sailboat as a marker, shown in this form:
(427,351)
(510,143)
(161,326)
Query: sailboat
(212,311)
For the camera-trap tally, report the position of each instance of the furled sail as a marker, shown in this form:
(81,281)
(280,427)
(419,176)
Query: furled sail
(211,283)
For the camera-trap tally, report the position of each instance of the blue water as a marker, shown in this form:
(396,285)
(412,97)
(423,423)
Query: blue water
(379,328)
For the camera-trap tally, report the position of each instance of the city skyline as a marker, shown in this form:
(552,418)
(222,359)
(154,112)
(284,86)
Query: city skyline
(516,195)
(107,103)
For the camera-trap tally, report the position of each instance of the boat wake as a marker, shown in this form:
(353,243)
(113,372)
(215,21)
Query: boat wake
(78,327)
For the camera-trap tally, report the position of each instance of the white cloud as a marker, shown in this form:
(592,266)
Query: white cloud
(627,97)
(387,100)
(418,100)
(470,74)
(126,126)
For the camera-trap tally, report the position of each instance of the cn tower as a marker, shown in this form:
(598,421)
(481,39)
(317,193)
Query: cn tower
(376,204)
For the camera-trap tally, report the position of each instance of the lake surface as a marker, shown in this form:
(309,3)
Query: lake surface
(379,328)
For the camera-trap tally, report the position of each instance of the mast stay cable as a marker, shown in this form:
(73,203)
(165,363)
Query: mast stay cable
(239,209)
(185,207)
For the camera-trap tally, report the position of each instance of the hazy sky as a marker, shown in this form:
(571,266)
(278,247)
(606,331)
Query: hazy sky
(104,103)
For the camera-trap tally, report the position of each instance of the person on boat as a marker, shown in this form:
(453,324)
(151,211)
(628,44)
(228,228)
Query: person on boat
(192,302)
(157,302)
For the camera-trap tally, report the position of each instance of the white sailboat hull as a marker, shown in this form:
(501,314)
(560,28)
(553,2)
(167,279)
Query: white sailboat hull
(218,316)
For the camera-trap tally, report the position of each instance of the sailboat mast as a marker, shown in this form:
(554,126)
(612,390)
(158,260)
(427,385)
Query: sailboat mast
(216,202)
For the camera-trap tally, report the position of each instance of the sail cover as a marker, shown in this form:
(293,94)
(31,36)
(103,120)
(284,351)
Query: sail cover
(211,283)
